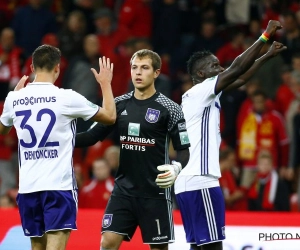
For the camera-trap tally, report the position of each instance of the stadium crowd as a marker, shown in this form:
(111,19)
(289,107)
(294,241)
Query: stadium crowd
(260,123)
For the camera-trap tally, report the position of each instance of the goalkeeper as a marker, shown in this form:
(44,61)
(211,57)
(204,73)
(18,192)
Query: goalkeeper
(146,121)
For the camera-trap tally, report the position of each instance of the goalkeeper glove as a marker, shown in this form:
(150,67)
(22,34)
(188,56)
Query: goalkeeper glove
(166,179)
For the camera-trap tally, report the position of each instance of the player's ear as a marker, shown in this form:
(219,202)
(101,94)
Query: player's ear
(156,73)
(57,68)
(200,74)
(32,68)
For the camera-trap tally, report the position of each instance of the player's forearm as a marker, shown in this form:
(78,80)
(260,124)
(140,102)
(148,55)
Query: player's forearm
(108,105)
(244,61)
(250,72)
(85,139)
(183,156)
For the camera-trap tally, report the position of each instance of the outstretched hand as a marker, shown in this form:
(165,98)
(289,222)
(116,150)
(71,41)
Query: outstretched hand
(276,48)
(21,83)
(106,71)
(273,26)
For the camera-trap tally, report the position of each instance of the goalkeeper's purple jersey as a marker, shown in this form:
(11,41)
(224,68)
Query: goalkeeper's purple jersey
(145,128)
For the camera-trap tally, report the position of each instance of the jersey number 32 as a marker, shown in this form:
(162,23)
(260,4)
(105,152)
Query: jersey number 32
(23,125)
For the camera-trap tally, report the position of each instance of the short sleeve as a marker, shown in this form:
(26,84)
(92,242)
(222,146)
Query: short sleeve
(6,117)
(78,106)
(203,93)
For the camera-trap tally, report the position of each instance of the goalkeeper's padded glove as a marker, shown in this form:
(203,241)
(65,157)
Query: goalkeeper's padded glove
(166,179)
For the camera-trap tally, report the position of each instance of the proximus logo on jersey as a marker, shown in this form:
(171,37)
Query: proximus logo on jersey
(136,143)
(33,100)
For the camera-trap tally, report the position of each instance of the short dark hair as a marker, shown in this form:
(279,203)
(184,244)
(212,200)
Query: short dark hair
(46,57)
(144,53)
(195,59)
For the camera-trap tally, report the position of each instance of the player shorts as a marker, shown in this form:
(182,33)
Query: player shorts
(153,216)
(203,215)
(47,211)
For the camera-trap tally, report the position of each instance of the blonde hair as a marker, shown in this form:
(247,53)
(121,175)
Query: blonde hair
(144,53)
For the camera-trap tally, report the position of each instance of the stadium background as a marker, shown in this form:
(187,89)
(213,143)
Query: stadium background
(87,29)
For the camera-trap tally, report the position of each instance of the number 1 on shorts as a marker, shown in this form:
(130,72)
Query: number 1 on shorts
(158,226)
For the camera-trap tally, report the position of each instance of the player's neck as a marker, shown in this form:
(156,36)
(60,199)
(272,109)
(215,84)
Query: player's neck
(143,94)
(44,77)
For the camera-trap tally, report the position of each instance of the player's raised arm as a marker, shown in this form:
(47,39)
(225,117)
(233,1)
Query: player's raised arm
(273,51)
(244,61)
(106,114)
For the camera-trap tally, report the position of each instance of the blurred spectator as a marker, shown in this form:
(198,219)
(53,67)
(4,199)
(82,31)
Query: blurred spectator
(268,192)
(6,201)
(96,192)
(111,155)
(237,12)
(261,129)
(247,106)
(208,38)
(166,27)
(296,61)
(86,7)
(184,84)
(290,37)
(284,94)
(72,34)
(231,102)
(255,29)
(52,40)
(8,176)
(10,62)
(94,152)
(30,23)
(7,11)
(229,51)
(78,75)
(233,195)
(294,106)
(269,73)
(136,15)
(109,34)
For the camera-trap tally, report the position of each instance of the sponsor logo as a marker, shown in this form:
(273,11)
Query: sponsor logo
(107,220)
(33,100)
(136,143)
(181,126)
(160,238)
(152,115)
(134,129)
(26,231)
(223,231)
(184,138)
(124,112)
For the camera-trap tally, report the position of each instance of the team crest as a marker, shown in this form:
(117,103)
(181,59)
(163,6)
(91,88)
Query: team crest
(107,220)
(152,115)
(134,129)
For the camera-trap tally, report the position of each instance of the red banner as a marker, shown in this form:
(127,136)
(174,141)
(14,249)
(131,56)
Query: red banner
(89,225)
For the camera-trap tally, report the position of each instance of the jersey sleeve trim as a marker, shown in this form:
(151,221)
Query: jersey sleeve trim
(93,114)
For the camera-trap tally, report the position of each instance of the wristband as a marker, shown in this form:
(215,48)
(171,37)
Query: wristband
(264,37)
